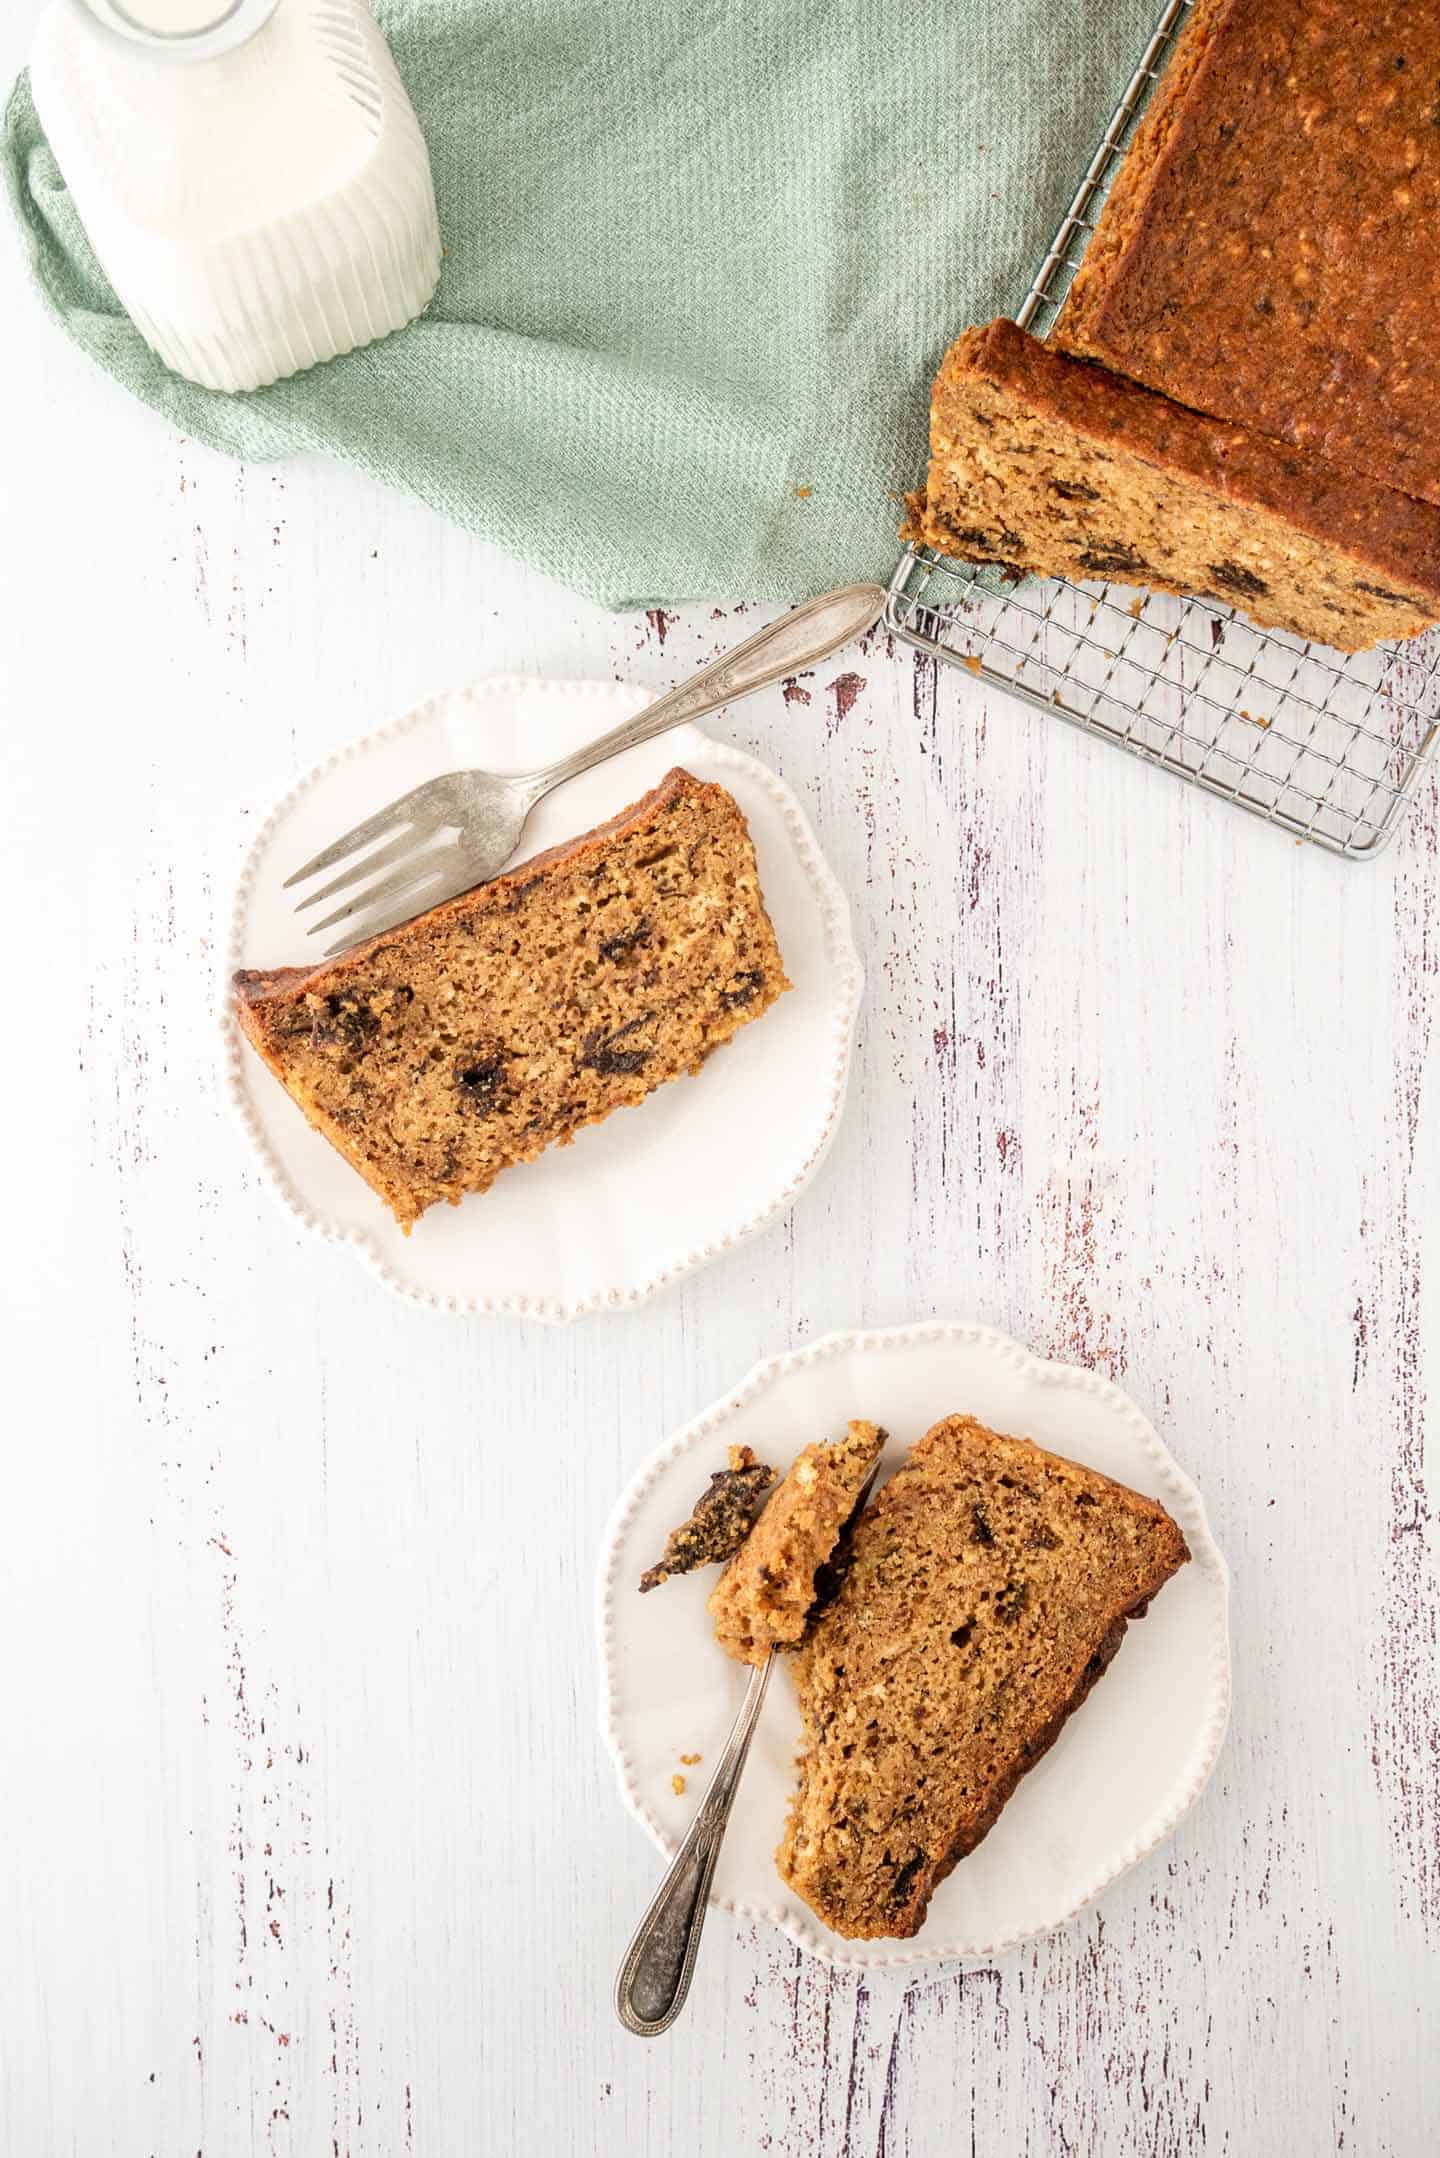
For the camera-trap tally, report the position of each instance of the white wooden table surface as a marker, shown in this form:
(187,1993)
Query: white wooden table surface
(307,1840)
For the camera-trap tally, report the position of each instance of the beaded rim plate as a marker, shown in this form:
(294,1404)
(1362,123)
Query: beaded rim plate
(656,1190)
(1126,1767)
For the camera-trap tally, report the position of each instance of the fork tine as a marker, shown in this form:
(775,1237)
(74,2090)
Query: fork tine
(384,820)
(421,869)
(405,912)
(369,924)
(408,842)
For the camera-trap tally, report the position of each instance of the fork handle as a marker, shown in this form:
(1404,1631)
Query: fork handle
(807,634)
(660,1961)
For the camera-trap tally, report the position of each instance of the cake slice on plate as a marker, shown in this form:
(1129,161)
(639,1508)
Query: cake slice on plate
(989,1586)
(502,1022)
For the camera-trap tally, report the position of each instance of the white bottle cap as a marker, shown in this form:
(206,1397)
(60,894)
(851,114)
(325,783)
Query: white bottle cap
(182,29)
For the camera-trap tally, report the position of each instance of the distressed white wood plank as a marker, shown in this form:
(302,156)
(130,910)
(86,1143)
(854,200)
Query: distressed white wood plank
(308,1841)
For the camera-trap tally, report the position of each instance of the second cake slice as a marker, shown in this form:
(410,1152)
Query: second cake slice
(988,1587)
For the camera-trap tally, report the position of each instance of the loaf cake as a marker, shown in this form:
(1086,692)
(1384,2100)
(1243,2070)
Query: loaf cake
(764,1598)
(718,1523)
(1270,251)
(988,1588)
(501,1022)
(1048,464)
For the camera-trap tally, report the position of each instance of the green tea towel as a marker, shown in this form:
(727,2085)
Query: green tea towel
(702,259)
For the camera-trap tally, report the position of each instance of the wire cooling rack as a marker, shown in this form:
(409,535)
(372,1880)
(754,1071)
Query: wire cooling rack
(1326,745)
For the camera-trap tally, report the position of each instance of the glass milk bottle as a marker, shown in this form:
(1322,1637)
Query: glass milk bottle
(250,174)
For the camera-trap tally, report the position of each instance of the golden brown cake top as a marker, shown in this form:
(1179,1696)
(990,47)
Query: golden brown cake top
(1270,251)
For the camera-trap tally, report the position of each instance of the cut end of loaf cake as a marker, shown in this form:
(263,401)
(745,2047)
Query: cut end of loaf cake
(503,1021)
(1050,465)
(988,1587)
(765,1596)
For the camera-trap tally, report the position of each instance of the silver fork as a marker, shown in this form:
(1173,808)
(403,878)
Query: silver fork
(461,829)
(654,1978)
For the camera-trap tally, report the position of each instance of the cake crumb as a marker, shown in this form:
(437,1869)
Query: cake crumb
(677,1785)
(973,661)
(804,493)
(1137,606)
(689,1760)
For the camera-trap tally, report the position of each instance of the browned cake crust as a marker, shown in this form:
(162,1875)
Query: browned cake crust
(764,1597)
(1059,467)
(503,1021)
(1270,251)
(988,1588)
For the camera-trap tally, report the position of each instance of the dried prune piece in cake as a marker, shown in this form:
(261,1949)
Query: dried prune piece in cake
(623,1050)
(618,950)
(501,1022)
(480,1080)
(1120,484)
(765,1596)
(744,988)
(1236,582)
(989,1585)
(1112,558)
(344,1021)
(719,1522)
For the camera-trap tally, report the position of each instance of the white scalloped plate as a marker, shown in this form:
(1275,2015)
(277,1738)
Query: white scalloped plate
(655,1190)
(1125,1768)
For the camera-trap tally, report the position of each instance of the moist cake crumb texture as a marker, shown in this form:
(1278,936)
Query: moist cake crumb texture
(988,1588)
(1047,464)
(764,1597)
(502,1022)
